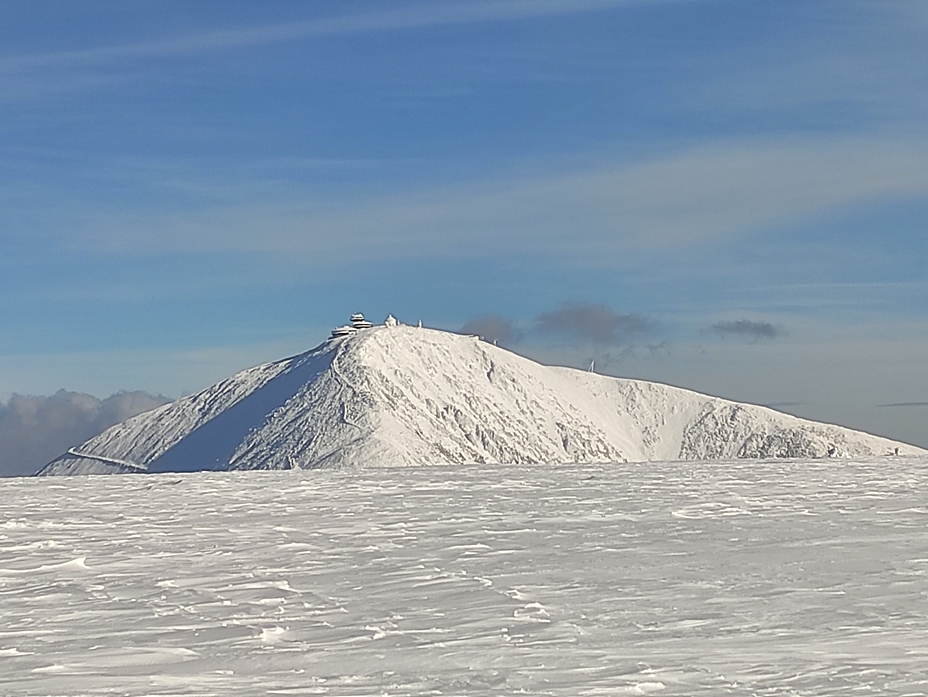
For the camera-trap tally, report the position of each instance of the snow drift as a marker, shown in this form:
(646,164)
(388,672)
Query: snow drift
(398,395)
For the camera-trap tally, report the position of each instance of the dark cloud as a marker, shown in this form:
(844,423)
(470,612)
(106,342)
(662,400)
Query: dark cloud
(748,329)
(35,430)
(593,323)
(905,404)
(492,328)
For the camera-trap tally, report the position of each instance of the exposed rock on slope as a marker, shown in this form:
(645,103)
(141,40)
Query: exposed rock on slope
(398,395)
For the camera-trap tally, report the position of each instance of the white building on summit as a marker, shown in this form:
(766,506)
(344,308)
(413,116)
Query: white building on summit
(357,322)
(343,331)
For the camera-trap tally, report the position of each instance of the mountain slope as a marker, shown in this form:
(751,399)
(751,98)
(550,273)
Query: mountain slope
(398,395)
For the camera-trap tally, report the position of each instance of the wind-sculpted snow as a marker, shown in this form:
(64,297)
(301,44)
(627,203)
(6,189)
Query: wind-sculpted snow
(411,396)
(746,577)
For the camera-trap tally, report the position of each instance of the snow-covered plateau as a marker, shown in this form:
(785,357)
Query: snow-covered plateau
(398,395)
(806,578)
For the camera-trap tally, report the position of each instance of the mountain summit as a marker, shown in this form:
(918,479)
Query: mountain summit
(400,395)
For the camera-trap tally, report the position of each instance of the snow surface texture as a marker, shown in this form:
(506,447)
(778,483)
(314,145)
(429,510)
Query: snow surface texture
(403,395)
(775,577)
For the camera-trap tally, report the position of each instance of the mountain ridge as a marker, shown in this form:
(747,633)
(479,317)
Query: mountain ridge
(400,395)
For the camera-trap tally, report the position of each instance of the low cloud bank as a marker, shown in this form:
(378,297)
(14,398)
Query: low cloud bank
(594,323)
(35,430)
(748,329)
(585,334)
(493,328)
(579,323)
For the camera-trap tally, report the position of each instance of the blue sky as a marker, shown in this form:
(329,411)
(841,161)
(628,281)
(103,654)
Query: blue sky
(187,189)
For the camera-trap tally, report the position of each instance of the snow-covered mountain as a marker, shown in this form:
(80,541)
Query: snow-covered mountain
(399,395)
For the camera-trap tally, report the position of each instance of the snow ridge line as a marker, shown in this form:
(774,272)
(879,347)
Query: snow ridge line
(109,460)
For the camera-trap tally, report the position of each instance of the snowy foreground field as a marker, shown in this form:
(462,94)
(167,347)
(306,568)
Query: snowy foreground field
(682,578)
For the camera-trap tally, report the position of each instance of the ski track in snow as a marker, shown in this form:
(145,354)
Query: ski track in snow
(780,577)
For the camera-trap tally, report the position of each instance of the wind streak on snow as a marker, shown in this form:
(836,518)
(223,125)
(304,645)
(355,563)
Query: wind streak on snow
(677,578)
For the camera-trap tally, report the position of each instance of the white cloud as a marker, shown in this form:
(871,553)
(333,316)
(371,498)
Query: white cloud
(396,18)
(717,191)
(34,430)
